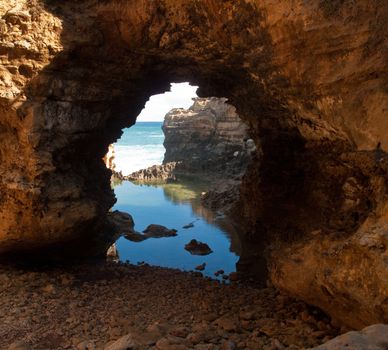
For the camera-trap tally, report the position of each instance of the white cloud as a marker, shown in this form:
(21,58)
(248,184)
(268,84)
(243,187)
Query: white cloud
(179,96)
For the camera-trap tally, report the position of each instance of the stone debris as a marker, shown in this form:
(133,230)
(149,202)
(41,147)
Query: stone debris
(114,306)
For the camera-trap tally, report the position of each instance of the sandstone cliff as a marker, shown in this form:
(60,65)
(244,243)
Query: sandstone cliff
(208,137)
(308,78)
(206,140)
(109,158)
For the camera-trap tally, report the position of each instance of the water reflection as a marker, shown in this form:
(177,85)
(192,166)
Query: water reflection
(174,206)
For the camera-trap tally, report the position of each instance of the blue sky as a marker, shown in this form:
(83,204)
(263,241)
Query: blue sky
(179,96)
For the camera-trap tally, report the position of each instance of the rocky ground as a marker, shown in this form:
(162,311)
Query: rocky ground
(90,306)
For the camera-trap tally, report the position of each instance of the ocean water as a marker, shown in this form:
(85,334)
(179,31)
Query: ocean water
(140,146)
(172,205)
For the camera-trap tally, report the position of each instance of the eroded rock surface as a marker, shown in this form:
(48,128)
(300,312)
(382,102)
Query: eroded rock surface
(209,137)
(370,338)
(308,78)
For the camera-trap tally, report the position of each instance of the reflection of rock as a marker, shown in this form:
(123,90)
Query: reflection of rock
(198,248)
(158,231)
(152,231)
(373,338)
(223,196)
(135,237)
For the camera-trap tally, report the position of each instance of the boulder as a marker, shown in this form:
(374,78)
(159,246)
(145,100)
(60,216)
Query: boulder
(198,248)
(374,337)
(158,231)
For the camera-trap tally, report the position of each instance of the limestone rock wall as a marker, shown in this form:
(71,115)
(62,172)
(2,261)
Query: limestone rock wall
(109,158)
(308,77)
(207,137)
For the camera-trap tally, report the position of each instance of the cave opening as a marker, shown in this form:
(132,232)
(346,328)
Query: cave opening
(180,166)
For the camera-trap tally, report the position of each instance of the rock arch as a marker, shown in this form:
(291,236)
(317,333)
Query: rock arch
(309,79)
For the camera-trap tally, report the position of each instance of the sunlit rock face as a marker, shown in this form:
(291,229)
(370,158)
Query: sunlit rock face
(207,137)
(109,158)
(308,78)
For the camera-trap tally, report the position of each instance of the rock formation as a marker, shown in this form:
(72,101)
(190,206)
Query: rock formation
(109,158)
(308,77)
(156,173)
(208,137)
(373,337)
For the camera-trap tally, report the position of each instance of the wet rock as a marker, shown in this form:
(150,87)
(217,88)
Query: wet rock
(373,337)
(188,226)
(158,231)
(198,248)
(201,267)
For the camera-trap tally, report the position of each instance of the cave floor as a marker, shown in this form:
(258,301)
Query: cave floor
(89,306)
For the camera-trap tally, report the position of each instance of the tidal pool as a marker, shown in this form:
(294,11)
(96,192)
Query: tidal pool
(174,206)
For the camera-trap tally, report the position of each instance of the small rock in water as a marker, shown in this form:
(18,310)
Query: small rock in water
(189,225)
(219,272)
(201,267)
(158,231)
(198,248)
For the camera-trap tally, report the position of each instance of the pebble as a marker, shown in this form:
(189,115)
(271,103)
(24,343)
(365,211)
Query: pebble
(201,267)
(116,306)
